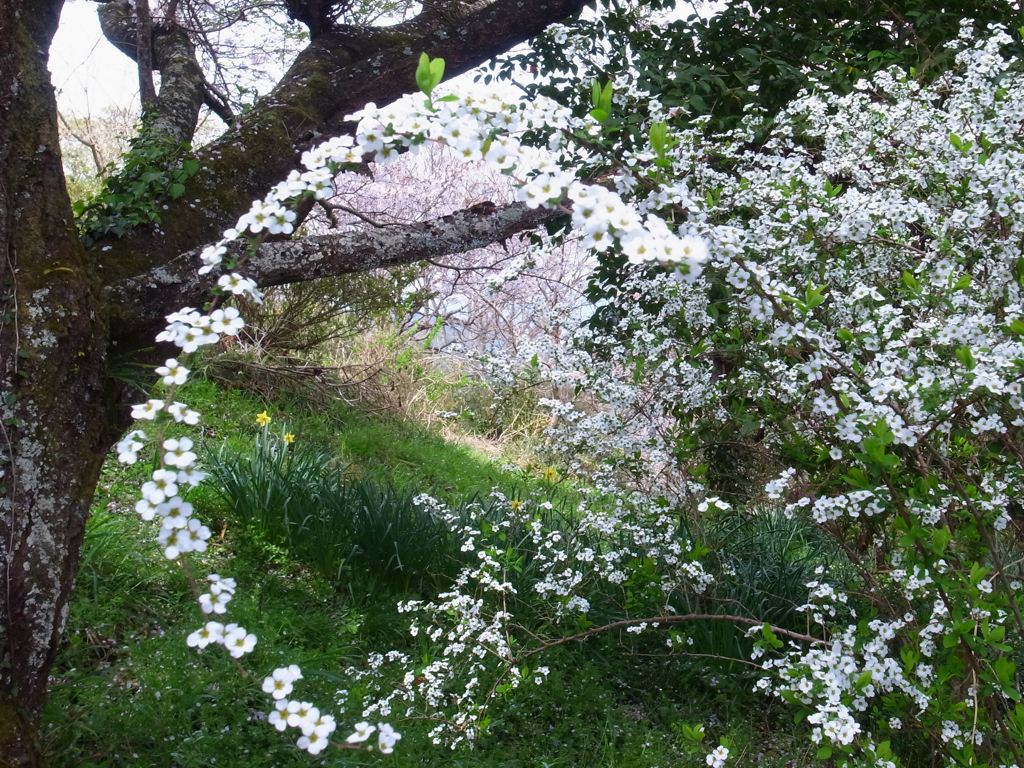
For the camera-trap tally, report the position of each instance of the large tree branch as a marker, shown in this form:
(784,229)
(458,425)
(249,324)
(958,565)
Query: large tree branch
(175,111)
(338,73)
(140,303)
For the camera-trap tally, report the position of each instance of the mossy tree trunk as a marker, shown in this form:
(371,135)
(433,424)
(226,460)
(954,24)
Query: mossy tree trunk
(53,344)
(59,411)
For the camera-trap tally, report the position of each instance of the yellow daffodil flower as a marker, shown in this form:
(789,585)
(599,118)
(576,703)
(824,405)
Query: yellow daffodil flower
(262,419)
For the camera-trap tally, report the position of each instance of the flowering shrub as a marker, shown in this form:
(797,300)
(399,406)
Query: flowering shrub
(835,298)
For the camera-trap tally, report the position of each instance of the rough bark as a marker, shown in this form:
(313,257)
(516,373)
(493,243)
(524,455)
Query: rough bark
(52,368)
(139,304)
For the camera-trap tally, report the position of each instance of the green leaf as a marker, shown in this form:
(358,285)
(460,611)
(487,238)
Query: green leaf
(1017,326)
(978,572)
(910,281)
(964,355)
(429,73)
(813,297)
(825,752)
(962,283)
(176,190)
(659,138)
(599,114)
(436,72)
(1004,670)
(857,478)
(606,98)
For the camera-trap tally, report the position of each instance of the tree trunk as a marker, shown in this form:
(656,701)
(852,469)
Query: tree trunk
(53,416)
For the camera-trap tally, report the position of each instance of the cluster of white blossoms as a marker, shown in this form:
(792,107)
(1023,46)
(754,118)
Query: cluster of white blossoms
(474,623)
(316,727)
(161,499)
(387,736)
(234,638)
(717,757)
(877,319)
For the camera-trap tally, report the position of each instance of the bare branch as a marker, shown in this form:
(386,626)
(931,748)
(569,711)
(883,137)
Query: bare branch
(217,103)
(580,636)
(82,140)
(144,54)
(140,303)
(331,207)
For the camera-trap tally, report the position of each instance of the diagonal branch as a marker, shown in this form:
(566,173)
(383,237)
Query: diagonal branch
(144,59)
(139,304)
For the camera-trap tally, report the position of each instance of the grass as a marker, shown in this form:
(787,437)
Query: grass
(128,691)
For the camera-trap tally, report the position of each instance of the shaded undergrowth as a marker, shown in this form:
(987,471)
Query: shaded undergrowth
(323,539)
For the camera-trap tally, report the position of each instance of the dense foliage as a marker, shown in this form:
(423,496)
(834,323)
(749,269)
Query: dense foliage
(808,309)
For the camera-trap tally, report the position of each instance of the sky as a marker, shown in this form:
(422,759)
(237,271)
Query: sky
(90,75)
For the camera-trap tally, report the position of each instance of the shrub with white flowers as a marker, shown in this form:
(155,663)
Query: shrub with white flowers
(834,295)
(855,334)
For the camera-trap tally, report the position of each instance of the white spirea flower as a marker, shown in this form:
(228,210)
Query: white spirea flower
(147,410)
(363,731)
(214,602)
(178,452)
(213,632)
(387,737)
(280,683)
(172,373)
(129,447)
(240,286)
(717,757)
(237,641)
